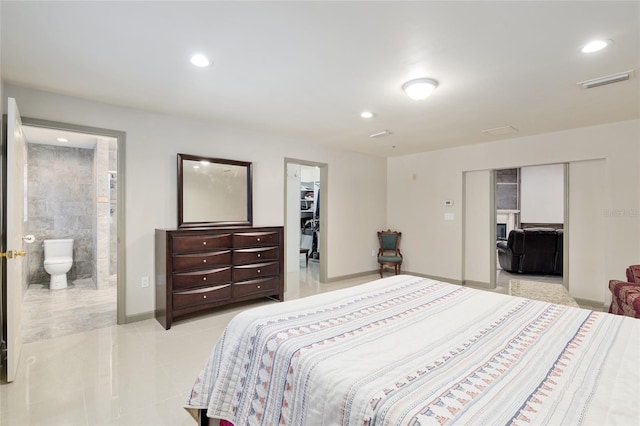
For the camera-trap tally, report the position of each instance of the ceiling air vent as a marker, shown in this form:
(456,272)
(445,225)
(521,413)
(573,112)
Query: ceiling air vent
(380,134)
(608,79)
(499,131)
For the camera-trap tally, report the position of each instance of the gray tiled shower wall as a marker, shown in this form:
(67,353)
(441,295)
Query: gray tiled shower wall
(60,204)
(113,202)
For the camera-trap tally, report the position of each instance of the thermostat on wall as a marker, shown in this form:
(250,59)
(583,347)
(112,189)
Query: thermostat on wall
(448,203)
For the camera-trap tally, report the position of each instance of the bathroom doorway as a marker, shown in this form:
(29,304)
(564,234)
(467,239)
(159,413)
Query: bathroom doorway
(74,189)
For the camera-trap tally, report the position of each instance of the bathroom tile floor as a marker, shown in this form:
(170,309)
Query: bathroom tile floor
(47,314)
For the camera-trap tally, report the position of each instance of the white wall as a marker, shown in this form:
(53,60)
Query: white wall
(542,194)
(434,247)
(357,183)
(309,174)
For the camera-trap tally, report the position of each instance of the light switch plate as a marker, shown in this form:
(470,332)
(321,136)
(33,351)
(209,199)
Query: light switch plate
(448,216)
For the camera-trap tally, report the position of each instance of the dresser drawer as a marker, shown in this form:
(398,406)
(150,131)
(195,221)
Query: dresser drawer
(253,255)
(255,270)
(255,239)
(201,296)
(194,243)
(185,262)
(268,286)
(209,277)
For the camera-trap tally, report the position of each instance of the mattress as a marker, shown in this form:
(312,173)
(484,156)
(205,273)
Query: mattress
(407,350)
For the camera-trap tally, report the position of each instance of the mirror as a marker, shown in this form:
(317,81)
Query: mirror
(213,192)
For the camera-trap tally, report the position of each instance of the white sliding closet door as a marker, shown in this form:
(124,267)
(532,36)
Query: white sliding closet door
(587,230)
(478,252)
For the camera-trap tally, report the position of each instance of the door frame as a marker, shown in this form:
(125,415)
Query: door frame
(324,190)
(565,225)
(3,245)
(120,137)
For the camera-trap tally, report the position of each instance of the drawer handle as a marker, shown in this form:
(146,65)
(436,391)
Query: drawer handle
(204,260)
(204,243)
(258,239)
(258,270)
(258,286)
(204,278)
(204,297)
(258,254)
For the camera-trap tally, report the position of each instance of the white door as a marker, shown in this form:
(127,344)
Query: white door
(478,246)
(15,253)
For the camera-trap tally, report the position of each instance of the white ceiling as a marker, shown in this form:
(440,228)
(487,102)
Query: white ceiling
(306,70)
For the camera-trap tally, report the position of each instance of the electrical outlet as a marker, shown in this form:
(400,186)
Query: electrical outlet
(373,252)
(144,282)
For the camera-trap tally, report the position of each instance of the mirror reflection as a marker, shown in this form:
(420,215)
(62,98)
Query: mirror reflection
(213,192)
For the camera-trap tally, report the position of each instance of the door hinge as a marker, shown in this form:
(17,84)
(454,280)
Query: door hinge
(3,352)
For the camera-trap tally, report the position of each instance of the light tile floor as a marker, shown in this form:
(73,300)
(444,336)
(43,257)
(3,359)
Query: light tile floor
(132,374)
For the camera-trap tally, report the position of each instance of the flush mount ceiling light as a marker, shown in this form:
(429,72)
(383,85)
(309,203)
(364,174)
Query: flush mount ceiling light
(595,45)
(199,60)
(420,88)
(608,79)
(366,114)
(62,140)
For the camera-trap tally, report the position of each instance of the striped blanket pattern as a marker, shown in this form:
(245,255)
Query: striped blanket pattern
(407,350)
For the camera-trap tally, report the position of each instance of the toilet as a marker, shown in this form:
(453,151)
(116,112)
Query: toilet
(58,258)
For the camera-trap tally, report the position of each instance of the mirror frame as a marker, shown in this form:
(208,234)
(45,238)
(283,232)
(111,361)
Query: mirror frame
(248,221)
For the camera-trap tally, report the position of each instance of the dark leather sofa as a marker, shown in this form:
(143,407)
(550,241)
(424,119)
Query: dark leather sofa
(532,251)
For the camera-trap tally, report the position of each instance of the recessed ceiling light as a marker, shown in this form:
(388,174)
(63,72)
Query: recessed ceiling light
(199,60)
(62,140)
(366,114)
(420,88)
(595,45)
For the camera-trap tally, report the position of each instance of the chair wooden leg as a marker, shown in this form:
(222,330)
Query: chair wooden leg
(381,270)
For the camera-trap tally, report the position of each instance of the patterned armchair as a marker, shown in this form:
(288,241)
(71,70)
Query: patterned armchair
(389,252)
(626,294)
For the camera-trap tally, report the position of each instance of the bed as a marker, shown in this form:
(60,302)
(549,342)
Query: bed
(407,350)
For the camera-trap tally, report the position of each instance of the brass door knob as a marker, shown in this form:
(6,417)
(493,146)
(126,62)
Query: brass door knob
(9,254)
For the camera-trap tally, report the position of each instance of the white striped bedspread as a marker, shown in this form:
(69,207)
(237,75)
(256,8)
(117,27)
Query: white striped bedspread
(406,350)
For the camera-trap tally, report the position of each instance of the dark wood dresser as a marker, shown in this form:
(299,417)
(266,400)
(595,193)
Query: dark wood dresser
(201,268)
